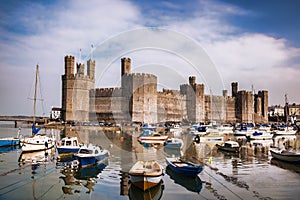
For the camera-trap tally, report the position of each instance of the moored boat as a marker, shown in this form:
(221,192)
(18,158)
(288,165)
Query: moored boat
(184,167)
(149,136)
(230,146)
(175,128)
(68,145)
(91,155)
(213,137)
(261,135)
(9,141)
(173,143)
(285,155)
(37,143)
(145,174)
(284,130)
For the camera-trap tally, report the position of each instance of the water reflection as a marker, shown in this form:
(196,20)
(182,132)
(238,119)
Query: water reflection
(173,152)
(75,177)
(8,149)
(154,193)
(295,167)
(191,184)
(37,157)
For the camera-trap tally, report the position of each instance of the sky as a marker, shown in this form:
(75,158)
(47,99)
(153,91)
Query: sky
(255,43)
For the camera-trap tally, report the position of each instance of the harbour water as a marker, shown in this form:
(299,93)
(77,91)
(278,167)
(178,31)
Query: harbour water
(225,176)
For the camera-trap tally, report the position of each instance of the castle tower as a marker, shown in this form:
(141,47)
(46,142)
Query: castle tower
(195,100)
(234,87)
(69,65)
(76,90)
(67,89)
(192,80)
(245,106)
(91,69)
(264,104)
(125,66)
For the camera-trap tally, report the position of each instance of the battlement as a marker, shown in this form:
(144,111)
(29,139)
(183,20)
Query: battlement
(108,92)
(142,75)
(169,92)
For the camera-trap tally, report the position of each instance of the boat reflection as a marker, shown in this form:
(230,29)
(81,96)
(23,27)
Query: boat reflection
(154,193)
(173,152)
(8,149)
(228,155)
(37,157)
(74,177)
(87,173)
(191,184)
(295,167)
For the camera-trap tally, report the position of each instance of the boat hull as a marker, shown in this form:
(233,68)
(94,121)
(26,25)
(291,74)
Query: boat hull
(229,149)
(30,147)
(190,171)
(145,182)
(173,143)
(68,150)
(89,160)
(7,142)
(154,139)
(286,157)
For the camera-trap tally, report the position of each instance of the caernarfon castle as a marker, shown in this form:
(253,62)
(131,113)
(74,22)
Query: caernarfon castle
(138,100)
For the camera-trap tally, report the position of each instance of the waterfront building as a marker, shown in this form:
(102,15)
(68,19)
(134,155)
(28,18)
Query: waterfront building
(55,113)
(138,101)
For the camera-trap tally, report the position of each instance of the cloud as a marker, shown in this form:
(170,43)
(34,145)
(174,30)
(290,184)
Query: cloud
(48,33)
(32,33)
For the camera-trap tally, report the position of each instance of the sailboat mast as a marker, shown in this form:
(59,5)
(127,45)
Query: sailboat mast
(35,89)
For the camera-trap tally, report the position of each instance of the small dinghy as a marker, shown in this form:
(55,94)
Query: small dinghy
(145,174)
(183,167)
(285,155)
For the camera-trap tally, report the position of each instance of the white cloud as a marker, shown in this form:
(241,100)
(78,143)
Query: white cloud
(53,31)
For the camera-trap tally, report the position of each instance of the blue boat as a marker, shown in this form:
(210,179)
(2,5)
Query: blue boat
(91,155)
(68,145)
(8,142)
(183,167)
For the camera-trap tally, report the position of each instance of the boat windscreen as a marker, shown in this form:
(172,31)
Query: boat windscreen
(85,151)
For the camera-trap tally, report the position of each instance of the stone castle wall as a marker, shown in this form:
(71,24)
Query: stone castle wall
(137,100)
(170,106)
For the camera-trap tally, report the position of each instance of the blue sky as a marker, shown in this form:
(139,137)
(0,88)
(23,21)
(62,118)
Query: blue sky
(252,42)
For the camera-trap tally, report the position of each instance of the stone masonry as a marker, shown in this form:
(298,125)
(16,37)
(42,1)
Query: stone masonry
(137,99)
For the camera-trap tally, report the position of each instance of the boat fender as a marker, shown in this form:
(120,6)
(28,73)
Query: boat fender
(46,144)
(197,139)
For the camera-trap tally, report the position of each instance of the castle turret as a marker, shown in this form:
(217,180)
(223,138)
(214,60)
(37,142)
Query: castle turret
(80,69)
(91,69)
(192,80)
(69,65)
(125,66)
(264,104)
(234,87)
